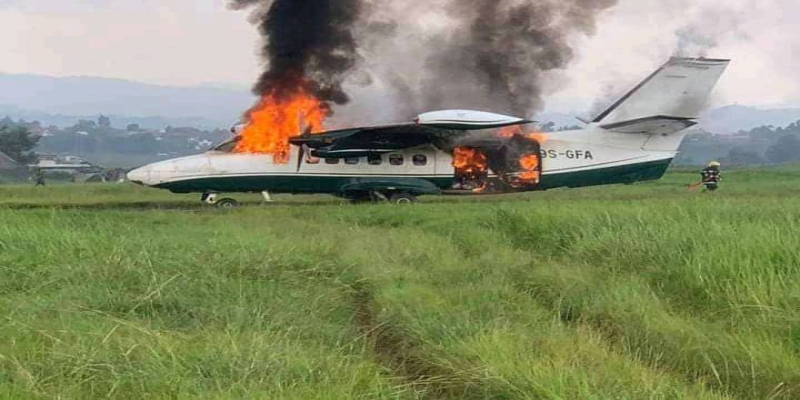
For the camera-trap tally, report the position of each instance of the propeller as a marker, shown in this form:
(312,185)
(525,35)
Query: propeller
(303,147)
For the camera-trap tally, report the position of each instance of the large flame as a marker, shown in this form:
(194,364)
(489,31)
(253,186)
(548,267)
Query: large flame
(471,167)
(276,118)
(469,160)
(510,131)
(530,169)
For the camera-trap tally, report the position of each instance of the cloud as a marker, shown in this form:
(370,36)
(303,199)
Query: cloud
(184,42)
(637,36)
(168,42)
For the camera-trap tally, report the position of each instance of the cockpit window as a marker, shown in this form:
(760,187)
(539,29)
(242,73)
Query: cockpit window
(228,146)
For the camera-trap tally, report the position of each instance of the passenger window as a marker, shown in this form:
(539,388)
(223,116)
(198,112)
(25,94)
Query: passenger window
(332,161)
(351,161)
(420,160)
(375,159)
(396,159)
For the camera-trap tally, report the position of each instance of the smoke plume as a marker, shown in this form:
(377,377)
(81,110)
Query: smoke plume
(494,55)
(308,44)
(500,52)
(705,26)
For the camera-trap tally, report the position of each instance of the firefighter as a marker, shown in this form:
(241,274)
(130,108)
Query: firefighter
(39,177)
(711,176)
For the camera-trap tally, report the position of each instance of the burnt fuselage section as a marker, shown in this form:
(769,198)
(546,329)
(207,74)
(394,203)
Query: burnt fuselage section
(498,164)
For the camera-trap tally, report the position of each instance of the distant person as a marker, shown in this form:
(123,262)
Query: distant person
(711,176)
(39,178)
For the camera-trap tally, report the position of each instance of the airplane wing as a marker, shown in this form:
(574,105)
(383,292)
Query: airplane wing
(358,142)
(658,125)
(428,128)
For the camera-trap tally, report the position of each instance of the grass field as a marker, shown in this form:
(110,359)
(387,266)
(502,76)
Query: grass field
(641,291)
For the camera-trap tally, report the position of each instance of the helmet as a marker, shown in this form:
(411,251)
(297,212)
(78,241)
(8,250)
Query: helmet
(714,164)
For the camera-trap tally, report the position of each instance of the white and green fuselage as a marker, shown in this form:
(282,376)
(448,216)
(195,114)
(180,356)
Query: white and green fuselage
(634,140)
(569,159)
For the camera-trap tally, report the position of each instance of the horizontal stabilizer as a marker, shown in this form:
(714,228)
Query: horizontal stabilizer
(658,125)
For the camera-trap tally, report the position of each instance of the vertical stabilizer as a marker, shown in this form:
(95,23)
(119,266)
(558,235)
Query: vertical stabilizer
(679,89)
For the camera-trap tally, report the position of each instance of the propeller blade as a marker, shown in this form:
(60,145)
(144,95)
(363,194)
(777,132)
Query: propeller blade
(301,157)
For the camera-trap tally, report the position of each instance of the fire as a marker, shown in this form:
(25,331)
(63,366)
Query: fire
(530,169)
(510,131)
(276,118)
(469,160)
(472,168)
(529,165)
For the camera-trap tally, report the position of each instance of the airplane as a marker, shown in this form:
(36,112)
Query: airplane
(446,152)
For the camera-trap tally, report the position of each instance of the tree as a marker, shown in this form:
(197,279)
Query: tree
(18,142)
(743,156)
(104,122)
(785,150)
(133,128)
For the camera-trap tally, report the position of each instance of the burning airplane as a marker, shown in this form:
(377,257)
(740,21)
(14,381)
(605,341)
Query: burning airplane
(284,147)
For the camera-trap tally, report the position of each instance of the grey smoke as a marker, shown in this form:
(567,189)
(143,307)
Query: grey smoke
(705,26)
(494,55)
(500,52)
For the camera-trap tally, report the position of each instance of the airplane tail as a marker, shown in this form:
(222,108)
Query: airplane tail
(664,104)
(675,94)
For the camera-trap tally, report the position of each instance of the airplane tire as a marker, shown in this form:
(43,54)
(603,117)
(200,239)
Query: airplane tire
(227,203)
(402,198)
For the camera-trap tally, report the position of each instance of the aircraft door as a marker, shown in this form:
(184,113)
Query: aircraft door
(519,163)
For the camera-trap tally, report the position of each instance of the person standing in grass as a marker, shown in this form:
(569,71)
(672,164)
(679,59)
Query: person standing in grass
(711,176)
(39,177)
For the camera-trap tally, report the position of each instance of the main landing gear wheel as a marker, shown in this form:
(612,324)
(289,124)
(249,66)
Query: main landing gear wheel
(227,203)
(402,198)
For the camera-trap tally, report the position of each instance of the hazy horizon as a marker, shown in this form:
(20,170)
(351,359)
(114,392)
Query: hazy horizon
(204,43)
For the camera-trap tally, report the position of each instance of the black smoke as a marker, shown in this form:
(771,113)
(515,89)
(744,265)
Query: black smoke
(499,53)
(308,44)
(494,55)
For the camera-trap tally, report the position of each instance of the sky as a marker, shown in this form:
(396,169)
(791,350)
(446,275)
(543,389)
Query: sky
(191,42)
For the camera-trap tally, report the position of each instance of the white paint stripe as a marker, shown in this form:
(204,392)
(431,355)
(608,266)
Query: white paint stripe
(614,164)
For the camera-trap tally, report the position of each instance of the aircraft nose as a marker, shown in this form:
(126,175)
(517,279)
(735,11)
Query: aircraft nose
(140,176)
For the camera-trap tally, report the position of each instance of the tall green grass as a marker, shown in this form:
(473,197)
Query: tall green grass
(641,291)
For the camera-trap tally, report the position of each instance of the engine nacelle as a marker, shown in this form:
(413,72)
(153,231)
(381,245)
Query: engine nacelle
(467,120)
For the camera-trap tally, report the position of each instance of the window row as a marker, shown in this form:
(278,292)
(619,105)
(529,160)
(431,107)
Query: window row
(419,160)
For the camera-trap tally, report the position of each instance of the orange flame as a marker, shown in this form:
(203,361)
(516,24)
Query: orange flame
(530,169)
(275,119)
(469,161)
(517,130)
(471,167)
(529,164)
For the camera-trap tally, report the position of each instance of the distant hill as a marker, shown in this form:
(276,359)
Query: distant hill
(61,101)
(723,120)
(734,118)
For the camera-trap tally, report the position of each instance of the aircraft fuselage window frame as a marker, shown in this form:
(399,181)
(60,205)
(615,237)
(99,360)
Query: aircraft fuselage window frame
(374,159)
(397,160)
(352,161)
(420,160)
(332,161)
